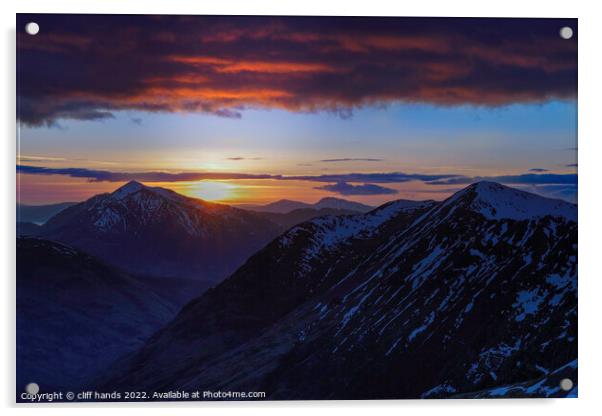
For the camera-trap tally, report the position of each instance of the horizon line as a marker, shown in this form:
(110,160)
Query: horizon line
(240,205)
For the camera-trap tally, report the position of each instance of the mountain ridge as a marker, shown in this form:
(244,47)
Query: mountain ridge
(496,201)
(285,206)
(457,298)
(185,237)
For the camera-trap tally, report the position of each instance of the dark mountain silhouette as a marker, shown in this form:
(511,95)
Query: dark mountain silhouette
(281,206)
(75,315)
(300,215)
(158,232)
(474,296)
(285,206)
(338,203)
(39,214)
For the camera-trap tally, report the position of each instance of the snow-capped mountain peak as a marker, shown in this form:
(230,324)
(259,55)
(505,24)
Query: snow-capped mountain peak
(158,223)
(127,189)
(495,201)
(133,187)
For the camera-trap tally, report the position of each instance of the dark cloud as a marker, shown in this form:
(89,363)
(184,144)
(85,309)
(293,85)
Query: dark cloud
(528,178)
(109,176)
(94,65)
(136,120)
(571,165)
(345,188)
(551,185)
(390,177)
(236,158)
(352,159)
(538,170)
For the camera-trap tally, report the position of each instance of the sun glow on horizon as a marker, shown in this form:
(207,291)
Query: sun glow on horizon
(211,190)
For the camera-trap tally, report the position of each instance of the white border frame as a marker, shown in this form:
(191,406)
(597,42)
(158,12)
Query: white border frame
(590,200)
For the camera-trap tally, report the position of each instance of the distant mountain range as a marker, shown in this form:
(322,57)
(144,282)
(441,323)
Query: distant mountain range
(297,216)
(474,296)
(156,232)
(39,214)
(76,314)
(285,206)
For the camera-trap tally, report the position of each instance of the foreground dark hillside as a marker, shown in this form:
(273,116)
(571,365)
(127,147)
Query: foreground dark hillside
(76,314)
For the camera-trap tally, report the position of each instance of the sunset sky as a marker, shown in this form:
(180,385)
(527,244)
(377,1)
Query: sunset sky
(255,109)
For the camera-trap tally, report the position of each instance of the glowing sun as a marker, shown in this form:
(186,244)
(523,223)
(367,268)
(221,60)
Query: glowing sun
(213,191)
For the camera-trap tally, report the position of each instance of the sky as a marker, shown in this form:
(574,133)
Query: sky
(240,109)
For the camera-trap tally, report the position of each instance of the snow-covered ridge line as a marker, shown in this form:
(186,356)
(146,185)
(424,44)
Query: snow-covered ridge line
(331,230)
(492,200)
(495,202)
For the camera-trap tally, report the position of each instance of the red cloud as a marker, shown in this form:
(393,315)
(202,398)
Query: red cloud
(267,67)
(94,65)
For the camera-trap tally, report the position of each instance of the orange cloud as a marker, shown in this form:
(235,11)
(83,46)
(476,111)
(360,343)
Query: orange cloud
(269,67)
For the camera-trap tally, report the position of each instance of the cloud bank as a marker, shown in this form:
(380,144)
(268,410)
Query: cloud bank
(524,179)
(95,65)
(548,184)
(156,176)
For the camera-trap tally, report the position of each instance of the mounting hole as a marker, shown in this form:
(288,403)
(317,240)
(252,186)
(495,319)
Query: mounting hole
(32,28)
(566,384)
(32,388)
(566,32)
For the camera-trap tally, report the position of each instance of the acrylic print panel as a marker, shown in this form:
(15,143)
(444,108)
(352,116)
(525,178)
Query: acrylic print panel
(295,208)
